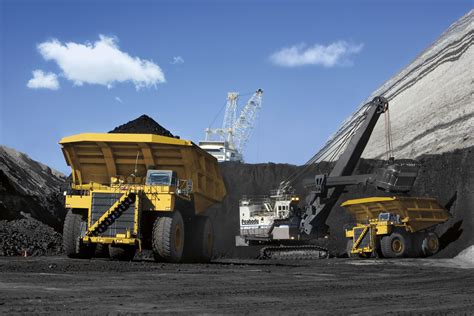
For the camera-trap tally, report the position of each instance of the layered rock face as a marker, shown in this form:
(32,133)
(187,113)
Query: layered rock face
(431,100)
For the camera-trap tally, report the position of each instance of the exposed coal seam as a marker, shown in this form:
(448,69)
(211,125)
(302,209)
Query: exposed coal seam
(455,55)
(429,131)
(457,27)
(466,19)
(450,56)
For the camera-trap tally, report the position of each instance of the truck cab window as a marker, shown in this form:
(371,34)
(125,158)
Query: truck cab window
(155,177)
(160,179)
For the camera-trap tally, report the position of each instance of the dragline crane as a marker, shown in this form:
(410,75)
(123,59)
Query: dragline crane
(228,142)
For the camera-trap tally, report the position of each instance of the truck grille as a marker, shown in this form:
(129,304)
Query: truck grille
(366,241)
(101,202)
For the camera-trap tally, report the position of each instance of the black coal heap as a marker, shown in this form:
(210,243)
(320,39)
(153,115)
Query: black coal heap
(142,125)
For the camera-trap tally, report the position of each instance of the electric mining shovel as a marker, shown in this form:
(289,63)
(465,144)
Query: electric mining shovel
(286,229)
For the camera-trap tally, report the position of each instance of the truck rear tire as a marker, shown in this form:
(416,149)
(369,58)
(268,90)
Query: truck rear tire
(74,227)
(396,245)
(168,238)
(430,244)
(122,252)
(200,245)
(417,249)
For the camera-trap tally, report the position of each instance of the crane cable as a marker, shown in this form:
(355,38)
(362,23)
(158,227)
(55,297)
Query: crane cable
(331,151)
(332,147)
(388,135)
(217,115)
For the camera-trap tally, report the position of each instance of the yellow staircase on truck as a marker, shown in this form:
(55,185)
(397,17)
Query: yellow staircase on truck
(114,212)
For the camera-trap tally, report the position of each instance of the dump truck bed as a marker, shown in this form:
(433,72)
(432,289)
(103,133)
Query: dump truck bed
(417,212)
(99,157)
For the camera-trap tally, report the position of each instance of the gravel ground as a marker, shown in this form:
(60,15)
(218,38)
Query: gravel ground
(57,285)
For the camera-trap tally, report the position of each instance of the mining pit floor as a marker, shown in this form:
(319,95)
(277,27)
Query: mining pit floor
(59,285)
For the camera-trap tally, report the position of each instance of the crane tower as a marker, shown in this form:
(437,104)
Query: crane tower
(228,142)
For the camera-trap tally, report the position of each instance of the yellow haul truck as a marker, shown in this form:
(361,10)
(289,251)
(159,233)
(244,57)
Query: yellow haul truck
(394,227)
(139,191)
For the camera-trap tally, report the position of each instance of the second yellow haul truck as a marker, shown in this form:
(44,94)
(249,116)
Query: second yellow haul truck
(140,191)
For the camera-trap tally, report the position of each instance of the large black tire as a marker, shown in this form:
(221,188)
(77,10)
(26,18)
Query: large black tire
(417,248)
(429,244)
(74,227)
(396,245)
(200,242)
(122,252)
(349,253)
(168,238)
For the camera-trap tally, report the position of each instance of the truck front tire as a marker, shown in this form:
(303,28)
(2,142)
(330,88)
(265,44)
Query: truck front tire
(396,245)
(74,228)
(168,238)
(349,246)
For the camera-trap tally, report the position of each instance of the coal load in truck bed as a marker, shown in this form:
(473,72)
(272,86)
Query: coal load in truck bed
(143,125)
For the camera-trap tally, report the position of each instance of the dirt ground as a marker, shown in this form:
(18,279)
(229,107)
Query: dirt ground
(61,285)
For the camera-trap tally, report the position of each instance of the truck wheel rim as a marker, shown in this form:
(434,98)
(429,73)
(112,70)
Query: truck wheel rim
(397,246)
(177,238)
(432,244)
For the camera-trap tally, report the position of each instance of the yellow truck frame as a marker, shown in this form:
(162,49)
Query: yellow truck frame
(139,191)
(394,227)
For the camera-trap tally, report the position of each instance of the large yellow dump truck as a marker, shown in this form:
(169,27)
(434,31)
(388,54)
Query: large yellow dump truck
(394,227)
(139,191)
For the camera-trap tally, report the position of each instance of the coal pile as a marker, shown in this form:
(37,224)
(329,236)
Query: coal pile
(142,125)
(28,186)
(28,236)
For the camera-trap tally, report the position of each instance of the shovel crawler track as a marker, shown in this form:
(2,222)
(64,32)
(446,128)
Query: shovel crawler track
(306,252)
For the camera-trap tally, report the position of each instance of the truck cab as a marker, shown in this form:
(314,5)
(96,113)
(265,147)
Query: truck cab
(161,177)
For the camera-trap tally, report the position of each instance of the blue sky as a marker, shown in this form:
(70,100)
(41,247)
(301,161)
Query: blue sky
(176,60)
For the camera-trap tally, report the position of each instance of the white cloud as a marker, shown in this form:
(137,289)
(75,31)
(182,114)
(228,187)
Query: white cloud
(101,62)
(118,100)
(177,60)
(334,54)
(42,80)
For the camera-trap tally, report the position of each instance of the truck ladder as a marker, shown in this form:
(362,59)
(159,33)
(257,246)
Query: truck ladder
(362,235)
(114,212)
